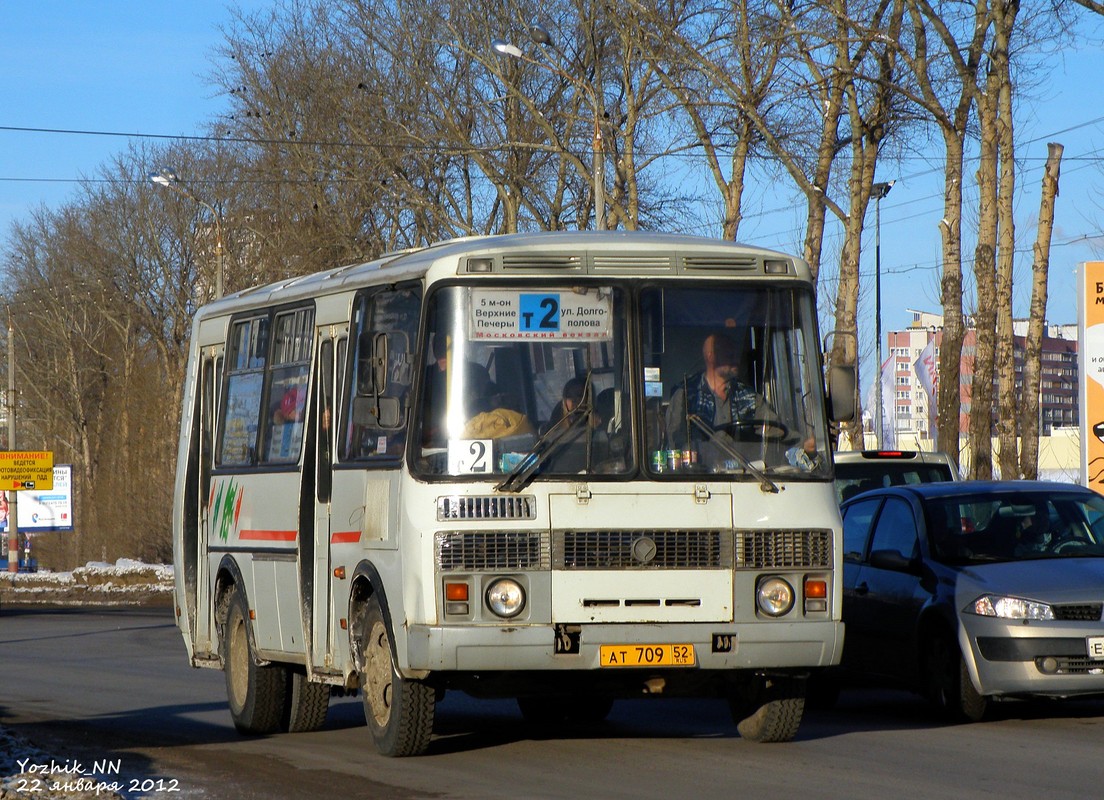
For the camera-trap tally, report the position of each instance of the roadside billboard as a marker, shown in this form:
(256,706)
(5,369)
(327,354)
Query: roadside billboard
(46,509)
(1090,318)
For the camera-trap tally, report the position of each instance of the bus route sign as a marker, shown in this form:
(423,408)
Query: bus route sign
(26,469)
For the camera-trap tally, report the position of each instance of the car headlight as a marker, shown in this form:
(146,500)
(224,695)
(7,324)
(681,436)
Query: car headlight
(994,605)
(774,597)
(505,597)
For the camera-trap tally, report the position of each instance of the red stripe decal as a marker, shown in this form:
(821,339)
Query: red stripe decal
(268,536)
(345,537)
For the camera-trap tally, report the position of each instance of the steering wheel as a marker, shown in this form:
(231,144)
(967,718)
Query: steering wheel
(1066,543)
(754,428)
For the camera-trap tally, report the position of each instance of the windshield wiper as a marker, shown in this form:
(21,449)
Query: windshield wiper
(548,444)
(765,483)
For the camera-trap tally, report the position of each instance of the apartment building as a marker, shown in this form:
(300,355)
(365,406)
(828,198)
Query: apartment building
(910,411)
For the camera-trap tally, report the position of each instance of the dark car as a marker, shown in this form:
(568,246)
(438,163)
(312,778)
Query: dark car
(860,471)
(973,591)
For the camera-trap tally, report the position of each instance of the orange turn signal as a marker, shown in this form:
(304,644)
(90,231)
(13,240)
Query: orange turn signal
(816,588)
(456,592)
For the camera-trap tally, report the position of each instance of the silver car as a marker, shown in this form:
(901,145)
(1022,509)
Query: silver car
(975,591)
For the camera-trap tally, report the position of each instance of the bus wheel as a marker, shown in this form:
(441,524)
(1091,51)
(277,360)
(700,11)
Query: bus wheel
(769,708)
(399,710)
(306,704)
(256,694)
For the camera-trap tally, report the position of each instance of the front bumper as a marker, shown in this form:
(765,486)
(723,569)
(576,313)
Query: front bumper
(1011,657)
(524,647)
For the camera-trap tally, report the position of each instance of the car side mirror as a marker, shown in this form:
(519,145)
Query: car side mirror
(894,561)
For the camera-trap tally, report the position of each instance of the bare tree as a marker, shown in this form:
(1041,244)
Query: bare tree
(1036,328)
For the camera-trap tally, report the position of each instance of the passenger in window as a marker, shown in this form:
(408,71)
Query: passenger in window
(570,400)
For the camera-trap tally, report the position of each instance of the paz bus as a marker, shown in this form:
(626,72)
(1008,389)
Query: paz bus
(455,468)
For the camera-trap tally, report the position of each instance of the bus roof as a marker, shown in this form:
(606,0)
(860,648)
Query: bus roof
(596,253)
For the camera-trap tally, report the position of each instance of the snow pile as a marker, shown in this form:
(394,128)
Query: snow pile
(123,583)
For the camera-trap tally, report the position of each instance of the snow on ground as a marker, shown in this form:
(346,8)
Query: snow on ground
(96,583)
(25,770)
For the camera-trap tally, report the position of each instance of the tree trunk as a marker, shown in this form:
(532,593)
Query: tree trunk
(1040,267)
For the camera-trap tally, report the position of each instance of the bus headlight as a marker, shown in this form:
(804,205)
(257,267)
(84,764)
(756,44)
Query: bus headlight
(774,597)
(505,597)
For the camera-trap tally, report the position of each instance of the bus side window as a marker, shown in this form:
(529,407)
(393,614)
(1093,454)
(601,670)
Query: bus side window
(382,370)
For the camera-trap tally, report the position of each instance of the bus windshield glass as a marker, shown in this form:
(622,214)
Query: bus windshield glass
(731,381)
(538,380)
(520,373)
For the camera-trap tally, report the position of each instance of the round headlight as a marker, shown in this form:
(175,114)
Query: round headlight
(505,597)
(774,597)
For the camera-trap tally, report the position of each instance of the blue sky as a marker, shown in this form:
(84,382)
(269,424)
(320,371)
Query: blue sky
(140,66)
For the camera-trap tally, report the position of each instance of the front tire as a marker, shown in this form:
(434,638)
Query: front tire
(769,708)
(949,684)
(399,711)
(256,694)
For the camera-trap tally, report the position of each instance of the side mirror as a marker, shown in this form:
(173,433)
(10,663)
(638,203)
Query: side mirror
(894,561)
(842,388)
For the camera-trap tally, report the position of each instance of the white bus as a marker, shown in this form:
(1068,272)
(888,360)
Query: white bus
(381,486)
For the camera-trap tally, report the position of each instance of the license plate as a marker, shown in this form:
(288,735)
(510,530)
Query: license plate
(647,655)
(1096,647)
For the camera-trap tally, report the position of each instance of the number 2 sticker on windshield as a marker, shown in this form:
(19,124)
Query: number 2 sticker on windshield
(469,456)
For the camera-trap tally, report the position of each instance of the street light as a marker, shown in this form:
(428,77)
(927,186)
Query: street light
(169,179)
(878,190)
(539,35)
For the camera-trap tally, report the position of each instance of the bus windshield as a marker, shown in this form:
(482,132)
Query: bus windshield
(539,380)
(511,373)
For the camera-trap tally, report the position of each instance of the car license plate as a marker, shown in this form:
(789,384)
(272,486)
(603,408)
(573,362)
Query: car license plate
(647,655)
(1096,647)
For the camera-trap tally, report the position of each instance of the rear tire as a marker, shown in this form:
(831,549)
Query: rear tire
(399,711)
(256,694)
(769,709)
(306,704)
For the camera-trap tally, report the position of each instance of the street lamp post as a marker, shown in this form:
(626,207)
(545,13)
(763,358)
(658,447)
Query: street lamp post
(539,35)
(169,179)
(879,190)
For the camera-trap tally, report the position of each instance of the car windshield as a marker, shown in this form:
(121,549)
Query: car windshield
(1015,526)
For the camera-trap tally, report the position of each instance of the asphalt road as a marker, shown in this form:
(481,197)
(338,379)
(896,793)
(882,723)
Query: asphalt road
(110,688)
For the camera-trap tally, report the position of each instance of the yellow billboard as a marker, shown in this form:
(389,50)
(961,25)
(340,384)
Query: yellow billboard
(26,469)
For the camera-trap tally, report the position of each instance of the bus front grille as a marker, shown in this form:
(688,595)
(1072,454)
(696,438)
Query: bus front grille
(780,549)
(481,551)
(455,507)
(642,549)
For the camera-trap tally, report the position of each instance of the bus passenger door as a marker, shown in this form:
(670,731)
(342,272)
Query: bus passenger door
(196,564)
(318,581)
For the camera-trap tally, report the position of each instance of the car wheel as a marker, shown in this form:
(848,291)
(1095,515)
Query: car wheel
(948,683)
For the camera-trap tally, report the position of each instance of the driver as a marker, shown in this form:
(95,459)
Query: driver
(715,395)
